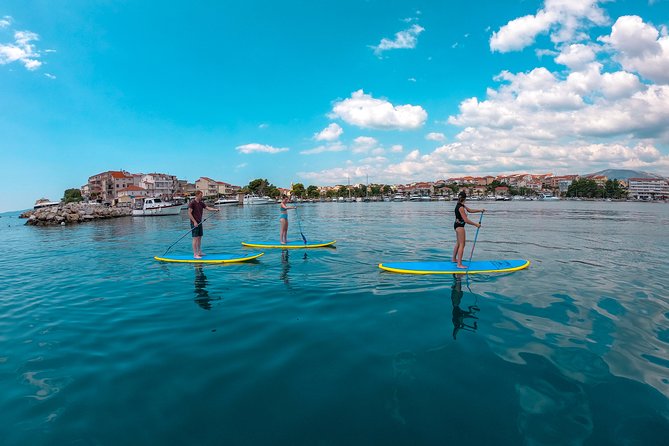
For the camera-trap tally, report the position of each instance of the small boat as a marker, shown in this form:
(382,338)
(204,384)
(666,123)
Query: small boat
(252,199)
(548,197)
(399,197)
(226,202)
(149,207)
(45,202)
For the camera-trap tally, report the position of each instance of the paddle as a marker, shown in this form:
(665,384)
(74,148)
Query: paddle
(187,234)
(474,245)
(300,225)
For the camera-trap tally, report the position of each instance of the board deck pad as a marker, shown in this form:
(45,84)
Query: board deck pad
(294,244)
(475,267)
(209,258)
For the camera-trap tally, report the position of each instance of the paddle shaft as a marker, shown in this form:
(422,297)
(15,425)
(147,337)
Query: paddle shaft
(191,229)
(475,237)
(299,225)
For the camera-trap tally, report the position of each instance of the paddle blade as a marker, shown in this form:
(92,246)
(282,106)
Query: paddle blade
(303,238)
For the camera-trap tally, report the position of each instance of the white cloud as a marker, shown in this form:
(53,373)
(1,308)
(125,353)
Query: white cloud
(640,47)
(564,20)
(49,75)
(21,50)
(241,166)
(331,147)
(5,21)
(406,39)
(330,133)
(255,148)
(576,56)
(263,125)
(435,136)
(364,111)
(397,148)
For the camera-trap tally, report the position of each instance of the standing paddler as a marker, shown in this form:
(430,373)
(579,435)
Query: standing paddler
(460,220)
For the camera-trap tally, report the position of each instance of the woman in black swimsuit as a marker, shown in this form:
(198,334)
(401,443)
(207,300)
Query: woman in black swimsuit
(460,220)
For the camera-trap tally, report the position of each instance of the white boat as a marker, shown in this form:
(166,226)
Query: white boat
(251,200)
(548,197)
(226,202)
(45,202)
(399,197)
(149,207)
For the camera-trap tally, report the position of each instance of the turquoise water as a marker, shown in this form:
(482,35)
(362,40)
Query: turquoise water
(103,345)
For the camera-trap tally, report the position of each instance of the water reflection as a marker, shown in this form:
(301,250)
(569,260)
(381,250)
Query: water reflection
(202,297)
(459,315)
(285,266)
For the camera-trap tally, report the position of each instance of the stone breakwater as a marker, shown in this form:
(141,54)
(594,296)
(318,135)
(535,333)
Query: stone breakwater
(72,213)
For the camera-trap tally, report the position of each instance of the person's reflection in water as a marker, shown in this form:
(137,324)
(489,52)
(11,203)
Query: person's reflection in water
(285,267)
(202,297)
(460,315)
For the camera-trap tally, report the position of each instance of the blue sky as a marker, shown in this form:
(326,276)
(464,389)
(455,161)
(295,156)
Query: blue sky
(319,91)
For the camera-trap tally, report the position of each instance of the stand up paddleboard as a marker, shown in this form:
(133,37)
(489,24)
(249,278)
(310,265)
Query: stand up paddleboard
(475,267)
(289,245)
(213,258)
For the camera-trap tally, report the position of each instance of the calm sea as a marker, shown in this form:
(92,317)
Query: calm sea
(102,345)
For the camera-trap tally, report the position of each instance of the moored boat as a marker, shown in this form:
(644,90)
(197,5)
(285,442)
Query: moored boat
(149,207)
(250,200)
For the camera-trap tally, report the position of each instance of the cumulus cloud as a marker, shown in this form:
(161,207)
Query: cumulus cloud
(406,39)
(576,56)
(331,147)
(5,21)
(435,136)
(362,110)
(22,50)
(330,133)
(262,148)
(640,47)
(563,20)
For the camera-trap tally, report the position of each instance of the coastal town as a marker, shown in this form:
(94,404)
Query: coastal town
(124,189)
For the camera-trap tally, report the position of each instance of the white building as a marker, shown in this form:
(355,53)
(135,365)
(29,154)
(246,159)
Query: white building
(159,185)
(648,188)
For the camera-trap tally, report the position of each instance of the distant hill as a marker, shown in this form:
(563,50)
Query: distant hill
(624,174)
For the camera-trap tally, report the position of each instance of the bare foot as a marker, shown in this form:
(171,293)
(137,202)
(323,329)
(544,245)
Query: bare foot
(197,257)
(202,254)
(454,260)
(462,267)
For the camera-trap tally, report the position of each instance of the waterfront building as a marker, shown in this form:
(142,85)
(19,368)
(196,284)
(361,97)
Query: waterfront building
(158,184)
(227,188)
(648,188)
(105,186)
(208,186)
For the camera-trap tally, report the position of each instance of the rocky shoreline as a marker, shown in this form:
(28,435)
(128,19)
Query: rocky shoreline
(72,213)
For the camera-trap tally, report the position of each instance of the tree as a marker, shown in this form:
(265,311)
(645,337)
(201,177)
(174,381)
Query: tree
(298,190)
(313,192)
(72,196)
(387,190)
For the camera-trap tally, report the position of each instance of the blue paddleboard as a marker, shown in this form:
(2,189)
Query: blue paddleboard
(209,258)
(475,267)
(295,244)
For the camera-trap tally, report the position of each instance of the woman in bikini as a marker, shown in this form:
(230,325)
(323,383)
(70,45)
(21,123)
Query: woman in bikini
(283,218)
(460,220)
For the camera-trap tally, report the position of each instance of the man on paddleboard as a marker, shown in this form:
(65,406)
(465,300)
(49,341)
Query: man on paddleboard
(196,208)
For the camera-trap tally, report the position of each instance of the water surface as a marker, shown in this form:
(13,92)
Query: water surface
(103,345)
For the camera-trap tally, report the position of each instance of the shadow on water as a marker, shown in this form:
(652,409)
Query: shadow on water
(202,297)
(460,316)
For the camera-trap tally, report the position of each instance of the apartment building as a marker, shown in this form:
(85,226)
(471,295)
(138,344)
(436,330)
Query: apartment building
(648,188)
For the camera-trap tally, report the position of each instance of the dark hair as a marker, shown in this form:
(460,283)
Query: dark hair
(198,192)
(462,196)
